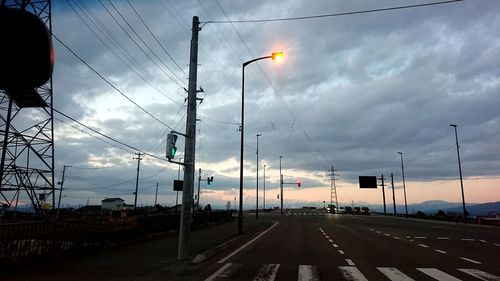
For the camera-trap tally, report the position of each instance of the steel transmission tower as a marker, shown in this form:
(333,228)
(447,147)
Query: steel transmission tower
(27,135)
(333,188)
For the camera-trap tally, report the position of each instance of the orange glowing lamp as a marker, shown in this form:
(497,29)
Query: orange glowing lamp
(277,56)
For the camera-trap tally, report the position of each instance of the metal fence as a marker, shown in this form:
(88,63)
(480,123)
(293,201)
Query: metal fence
(24,240)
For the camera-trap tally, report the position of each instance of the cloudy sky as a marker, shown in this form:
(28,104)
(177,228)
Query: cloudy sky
(351,92)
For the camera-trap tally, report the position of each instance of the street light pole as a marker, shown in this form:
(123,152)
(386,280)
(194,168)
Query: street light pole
(404,184)
(460,171)
(264,207)
(257,182)
(281,187)
(274,56)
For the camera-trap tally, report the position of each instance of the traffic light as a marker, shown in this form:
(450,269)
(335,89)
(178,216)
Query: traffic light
(210,180)
(299,182)
(171,148)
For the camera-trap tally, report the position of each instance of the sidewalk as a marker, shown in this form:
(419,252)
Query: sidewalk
(149,260)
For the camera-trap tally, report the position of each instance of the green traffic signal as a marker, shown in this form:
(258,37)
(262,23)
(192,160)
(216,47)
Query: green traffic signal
(172,151)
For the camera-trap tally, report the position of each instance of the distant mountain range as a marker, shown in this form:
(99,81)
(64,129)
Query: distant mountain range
(433,206)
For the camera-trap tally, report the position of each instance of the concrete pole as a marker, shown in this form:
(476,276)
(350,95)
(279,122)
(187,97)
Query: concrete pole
(281,187)
(198,194)
(156,194)
(60,192)
(257,182)
(393,195)
(137,178)
(383,193)
(404,184)
(264,207)
(190,145)
(460,171)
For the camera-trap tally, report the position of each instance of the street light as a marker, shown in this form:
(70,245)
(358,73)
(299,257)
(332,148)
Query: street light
(277,57)
(257,189)
(281,187)
(404,184)
(460,171)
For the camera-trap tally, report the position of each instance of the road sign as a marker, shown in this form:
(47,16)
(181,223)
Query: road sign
(367,182)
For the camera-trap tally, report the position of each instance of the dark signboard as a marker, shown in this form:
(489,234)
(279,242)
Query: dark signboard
(367,182)
(178,185)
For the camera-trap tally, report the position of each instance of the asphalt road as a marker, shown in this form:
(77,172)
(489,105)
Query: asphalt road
(312,245)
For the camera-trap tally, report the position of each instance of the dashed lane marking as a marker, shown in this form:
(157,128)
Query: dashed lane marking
(423,245)
(440,251)
(341,252)
(349,262)
(330,240)
(335,245)
(467,239)
(420,237)
(469,260)
(395,237)
(443,238)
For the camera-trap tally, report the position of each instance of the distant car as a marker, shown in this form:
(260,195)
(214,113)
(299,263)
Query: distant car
(342,210)
(348,210)
(365,211)
(357,211)
(332,209)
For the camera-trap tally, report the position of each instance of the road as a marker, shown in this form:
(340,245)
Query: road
(311,245)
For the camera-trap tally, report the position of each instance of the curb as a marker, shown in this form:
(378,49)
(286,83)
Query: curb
(224,245)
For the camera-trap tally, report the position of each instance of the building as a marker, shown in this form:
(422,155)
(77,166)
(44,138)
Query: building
(113,204)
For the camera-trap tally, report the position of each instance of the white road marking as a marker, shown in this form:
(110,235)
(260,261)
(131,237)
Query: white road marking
(327,237)
(351,273)
(267,272)
(408,237)
(248,243)
(349,262)
(440,251)
(371,229)
(330,240)
(341,252)
(480,274)
(378,232)
(423,245)
(469,260)
(467,239)
(394,274)
(497,245)
(395,237)
(443,238)
(484,241)
(438,274)
(219,272)
(308,273)
(411,240)
(335,245)
(420,237)
(387,234)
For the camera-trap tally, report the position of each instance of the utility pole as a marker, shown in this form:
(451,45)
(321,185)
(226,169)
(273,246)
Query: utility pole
(264,207)
(156,194)
(190,145)
(404,184)
(393,195)
(281,186)
(198,195)
(137,178)
(60,192)
(257,189)
(383,193)
(460,171)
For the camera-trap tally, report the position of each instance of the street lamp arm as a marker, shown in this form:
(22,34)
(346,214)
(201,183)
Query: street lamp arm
(254,60)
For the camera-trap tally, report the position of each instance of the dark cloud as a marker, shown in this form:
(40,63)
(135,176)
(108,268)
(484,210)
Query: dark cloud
(352,91)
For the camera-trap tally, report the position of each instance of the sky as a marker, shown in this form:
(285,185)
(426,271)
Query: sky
(351,92)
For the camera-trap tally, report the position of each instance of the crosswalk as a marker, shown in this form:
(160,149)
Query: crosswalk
(269,272)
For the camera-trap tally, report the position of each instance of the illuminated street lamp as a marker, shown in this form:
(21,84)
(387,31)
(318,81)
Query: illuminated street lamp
(277,57)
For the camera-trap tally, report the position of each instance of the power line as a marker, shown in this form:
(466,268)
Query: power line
(147,46)
(335,14)
(102,28)
(109,83)
(108,137)
(156,39)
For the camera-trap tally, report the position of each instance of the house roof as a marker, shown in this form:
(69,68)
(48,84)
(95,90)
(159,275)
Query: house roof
(112,200)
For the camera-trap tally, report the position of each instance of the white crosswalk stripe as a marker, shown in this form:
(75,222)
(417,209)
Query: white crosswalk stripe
(269,272)
(352,273)
(480,274)
(438,274)
(393,274)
